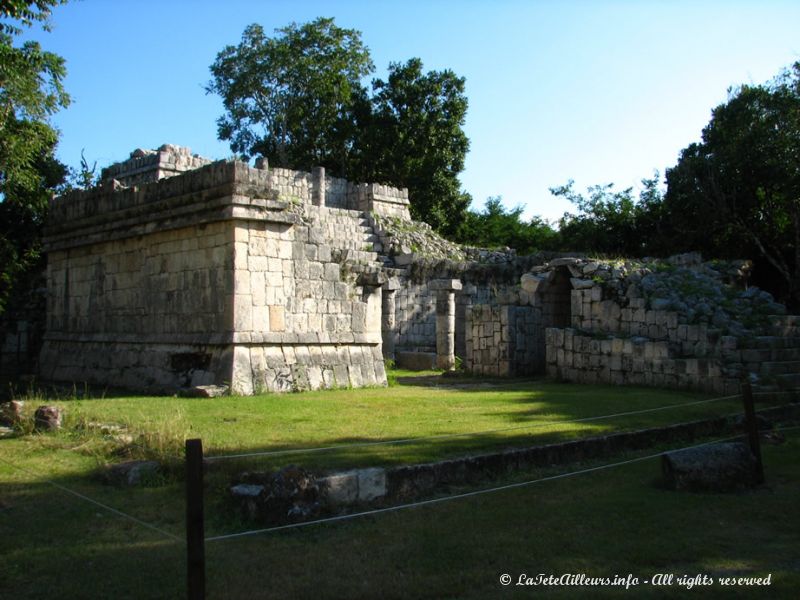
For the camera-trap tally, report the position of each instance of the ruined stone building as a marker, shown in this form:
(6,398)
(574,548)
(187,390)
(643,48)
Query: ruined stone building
(177,272)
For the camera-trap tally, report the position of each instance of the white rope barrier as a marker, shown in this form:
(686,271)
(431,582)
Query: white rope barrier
(500,488)
(95,502)
(466,494)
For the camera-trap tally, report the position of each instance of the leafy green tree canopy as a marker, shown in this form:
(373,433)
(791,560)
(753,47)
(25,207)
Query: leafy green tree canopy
(609,221)
(298,98)
(739,188)
(496,226)
(415,139)
(16,14)
(31,90)
(290,97)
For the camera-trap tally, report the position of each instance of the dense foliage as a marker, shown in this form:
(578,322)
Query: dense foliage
(734,194)
(497,227)
(31,90)
(738,190)
(299,99)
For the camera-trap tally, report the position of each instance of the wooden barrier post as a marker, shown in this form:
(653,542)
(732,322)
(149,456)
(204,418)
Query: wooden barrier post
(195,529)
(752,427)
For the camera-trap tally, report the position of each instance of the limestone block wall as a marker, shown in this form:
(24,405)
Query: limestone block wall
(582,358)
(204,278)
(415,319)
(340,193)
(717,332)
(321,190)
(628,343)
(590,312)
(302,320)
(145,311)
(384,200)
(21,329)
(502,340)
(415,306)
(291,185)
(416,316)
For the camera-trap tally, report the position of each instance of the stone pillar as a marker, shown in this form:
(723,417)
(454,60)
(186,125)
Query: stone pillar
(445,322)
(388,317)
(318,186)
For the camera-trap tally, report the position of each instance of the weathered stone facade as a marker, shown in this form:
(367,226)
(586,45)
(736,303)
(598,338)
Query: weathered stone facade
(180,272)
(209,276)
(706,336)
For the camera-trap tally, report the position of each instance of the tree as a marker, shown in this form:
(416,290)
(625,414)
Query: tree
(291,97)
(415,139)
(611,222)
(298,99)
(26,13)
(495,226)
(738,190)
(31,91)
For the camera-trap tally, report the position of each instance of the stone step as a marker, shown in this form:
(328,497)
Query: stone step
(353,245)
(788,381)
(770,341)
(786,324)
(341,231)
(787,367)
(328,211)
(355,256)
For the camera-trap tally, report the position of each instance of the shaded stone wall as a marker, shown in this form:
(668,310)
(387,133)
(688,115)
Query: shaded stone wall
(490,285)
(625,328)
(22,326)
(415,307)
(149,311)
(631,361)
(503,340)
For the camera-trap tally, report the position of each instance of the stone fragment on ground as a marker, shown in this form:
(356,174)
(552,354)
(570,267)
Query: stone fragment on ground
(47,418)
(132,473)
(285,496)
(11,412)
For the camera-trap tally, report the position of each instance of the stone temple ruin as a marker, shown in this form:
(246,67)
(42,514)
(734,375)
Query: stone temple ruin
(178,272)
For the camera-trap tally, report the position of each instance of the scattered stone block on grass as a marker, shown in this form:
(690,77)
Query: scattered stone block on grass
(47,418)
(721,467)
(11,412)
(132,473)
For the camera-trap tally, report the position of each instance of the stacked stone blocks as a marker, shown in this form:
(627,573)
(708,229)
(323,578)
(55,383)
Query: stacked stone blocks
(209,277)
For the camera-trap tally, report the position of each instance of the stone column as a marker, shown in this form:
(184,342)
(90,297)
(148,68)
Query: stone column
(445,322)
(318,186)
(388,317)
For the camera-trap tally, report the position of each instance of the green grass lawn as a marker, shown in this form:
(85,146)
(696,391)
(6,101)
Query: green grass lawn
(616,521)
(480,416)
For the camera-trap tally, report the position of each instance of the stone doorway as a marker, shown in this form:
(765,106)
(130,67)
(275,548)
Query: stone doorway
(556,299)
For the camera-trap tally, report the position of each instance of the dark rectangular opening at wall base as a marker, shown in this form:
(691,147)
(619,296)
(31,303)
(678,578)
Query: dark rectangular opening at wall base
(415,360)
(182,362)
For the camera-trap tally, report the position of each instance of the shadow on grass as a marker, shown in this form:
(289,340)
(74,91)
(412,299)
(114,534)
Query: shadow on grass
(54,545)
(600,524)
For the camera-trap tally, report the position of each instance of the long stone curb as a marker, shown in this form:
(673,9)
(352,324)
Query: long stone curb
(408,482)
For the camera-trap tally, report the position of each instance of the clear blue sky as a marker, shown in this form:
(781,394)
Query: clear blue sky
(596,91)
